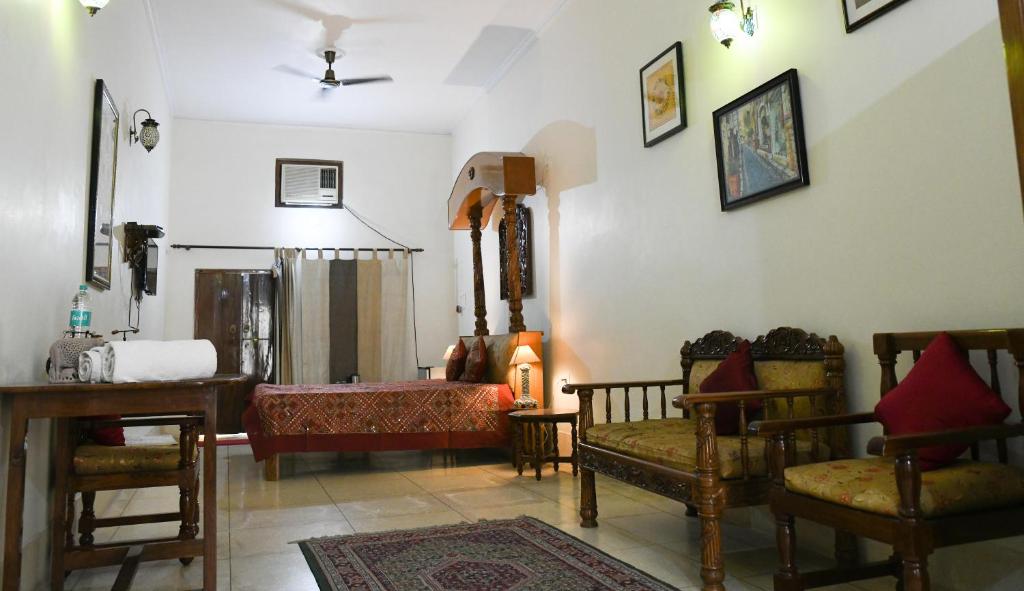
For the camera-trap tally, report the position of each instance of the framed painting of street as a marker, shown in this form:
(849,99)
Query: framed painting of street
(759,142)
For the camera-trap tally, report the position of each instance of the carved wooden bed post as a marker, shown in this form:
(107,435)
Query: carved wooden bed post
(515,288)
(479,297)
(484,178)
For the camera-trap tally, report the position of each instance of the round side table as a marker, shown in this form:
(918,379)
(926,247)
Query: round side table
(527,427)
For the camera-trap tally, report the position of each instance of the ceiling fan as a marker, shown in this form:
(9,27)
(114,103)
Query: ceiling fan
(329,80)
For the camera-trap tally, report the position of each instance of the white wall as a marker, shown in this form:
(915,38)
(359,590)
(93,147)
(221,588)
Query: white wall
(222,192)
(53,52)
(912,221)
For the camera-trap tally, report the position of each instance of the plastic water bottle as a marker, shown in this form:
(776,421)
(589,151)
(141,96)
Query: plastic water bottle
(81,315)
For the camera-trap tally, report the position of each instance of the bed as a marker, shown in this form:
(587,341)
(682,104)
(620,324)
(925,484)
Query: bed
(418,415)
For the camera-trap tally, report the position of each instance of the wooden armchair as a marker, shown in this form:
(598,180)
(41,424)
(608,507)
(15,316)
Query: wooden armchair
(85,467)
(886,498)
(684,459)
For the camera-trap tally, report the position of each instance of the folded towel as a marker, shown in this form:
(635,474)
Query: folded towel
(90,365)
(144,361)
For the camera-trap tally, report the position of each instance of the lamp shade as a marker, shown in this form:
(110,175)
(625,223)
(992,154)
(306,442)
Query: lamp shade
(93,6)
(725,23)
(448,352)
(524,355)
(150,135)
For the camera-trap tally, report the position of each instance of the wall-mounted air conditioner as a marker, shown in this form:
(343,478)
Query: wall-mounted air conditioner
(308,183)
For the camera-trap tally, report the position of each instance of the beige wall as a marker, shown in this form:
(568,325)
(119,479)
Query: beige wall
(222,192)
(52,53)
(912,221)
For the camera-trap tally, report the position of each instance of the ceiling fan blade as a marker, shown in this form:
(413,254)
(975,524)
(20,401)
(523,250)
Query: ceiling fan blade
(370,80)
(291,70)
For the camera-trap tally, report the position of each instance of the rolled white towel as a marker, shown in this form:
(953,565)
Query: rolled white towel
(90,365)
(144,361)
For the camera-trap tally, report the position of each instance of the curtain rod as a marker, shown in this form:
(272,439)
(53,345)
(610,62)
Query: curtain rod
(216,247)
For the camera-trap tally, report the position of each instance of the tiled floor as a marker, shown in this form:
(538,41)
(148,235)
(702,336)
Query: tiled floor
(322,494)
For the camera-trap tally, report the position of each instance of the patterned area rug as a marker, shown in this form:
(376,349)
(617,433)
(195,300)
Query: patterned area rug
(511,555)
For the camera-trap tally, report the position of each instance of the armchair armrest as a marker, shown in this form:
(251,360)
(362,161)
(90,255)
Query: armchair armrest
(691,400)
(576,388)
(895,445)
(774,426)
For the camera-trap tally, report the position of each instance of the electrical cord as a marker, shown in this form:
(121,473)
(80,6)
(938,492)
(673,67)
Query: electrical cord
(412,271)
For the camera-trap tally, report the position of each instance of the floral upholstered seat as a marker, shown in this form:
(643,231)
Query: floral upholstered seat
(673,443)
(870,485)
(114,459)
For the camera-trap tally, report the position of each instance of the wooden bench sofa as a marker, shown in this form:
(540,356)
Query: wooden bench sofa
(682,457)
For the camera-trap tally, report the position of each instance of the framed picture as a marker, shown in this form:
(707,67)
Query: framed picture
(861,12)
(524,238)
(102,176)
(663,96)
(759,141)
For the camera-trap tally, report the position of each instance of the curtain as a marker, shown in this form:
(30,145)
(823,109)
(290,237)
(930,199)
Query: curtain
(343,317)
(395,355)
(316,327)
(288,274)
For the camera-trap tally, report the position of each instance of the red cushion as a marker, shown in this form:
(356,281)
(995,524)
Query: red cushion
(941,392)
(457,362)
(107,435)
(476,362)
(735,374)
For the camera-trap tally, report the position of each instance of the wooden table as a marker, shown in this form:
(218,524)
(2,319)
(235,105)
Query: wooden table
(61,401)
(530,423)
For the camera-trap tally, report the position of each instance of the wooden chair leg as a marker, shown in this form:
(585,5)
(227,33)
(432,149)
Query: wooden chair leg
(272,468)
(846,549)
(87,522)
(788,577)
(588,499)
(712,571)
(915,574)
(188,501)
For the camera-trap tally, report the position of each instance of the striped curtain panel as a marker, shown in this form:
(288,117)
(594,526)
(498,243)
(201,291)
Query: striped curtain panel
(354,319)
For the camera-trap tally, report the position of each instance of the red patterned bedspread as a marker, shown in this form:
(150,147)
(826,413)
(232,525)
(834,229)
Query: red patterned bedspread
(426,414)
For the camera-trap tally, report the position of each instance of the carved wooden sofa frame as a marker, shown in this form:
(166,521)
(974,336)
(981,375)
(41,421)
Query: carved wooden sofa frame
(911,533)
(703,491)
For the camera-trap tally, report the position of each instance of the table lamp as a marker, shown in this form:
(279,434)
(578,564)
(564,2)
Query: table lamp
(523,357)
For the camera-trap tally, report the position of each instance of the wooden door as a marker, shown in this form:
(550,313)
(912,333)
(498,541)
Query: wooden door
(234,310)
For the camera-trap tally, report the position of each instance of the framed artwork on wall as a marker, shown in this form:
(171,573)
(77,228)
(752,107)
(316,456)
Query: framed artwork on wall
(861,12)
(663,96)
(759,142)
(102,176)
(524,238)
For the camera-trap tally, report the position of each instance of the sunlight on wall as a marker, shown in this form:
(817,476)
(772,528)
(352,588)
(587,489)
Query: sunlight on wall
(62,32)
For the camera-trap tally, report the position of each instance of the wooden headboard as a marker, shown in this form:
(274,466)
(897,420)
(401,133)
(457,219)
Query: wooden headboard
(500,349)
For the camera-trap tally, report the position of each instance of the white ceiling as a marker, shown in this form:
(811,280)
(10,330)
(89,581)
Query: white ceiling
(228,60)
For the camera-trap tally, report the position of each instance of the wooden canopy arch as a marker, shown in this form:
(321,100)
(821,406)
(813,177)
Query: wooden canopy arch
(484,180)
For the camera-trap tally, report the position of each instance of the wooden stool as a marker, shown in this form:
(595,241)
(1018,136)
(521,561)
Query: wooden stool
(530,423)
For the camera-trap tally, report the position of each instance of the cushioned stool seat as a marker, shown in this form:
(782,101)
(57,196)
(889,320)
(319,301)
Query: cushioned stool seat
(107,459)
(870,485)
(673,443)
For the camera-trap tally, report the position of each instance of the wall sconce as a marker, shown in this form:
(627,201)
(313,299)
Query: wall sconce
(726,24)
(149,136)
(93,6)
